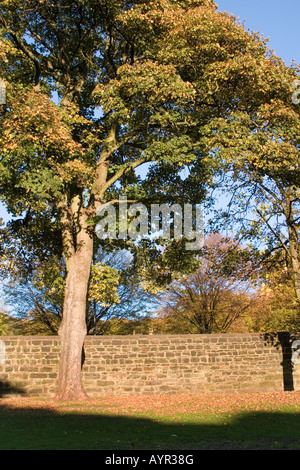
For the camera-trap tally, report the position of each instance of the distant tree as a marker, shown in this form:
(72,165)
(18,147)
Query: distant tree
(216,295)
(125,326)
(8,325)
(275,307)
(35,290)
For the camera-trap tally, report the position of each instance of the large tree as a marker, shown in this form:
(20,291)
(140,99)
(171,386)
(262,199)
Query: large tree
(96,88)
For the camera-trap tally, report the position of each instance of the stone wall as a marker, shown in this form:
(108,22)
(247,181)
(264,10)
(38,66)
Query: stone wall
(154,364)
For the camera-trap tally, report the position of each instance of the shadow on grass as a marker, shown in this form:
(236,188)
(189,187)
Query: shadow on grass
(45,429)
(6,389)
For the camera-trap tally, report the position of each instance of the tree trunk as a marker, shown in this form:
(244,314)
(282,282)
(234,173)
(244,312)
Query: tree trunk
(295,262)
(72,331)
(294,247)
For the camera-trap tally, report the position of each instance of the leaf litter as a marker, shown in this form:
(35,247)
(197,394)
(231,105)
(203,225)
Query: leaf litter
(166,405)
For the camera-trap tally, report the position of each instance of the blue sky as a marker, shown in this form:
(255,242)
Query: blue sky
(278,20)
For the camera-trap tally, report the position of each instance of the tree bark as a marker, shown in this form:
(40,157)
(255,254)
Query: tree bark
(73,331)
(295,260)
(294,247)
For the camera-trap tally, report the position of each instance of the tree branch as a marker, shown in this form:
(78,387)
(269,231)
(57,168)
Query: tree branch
(123,171)
(22,46)
(67,229)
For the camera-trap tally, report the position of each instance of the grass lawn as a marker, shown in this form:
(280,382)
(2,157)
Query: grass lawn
(170,422)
